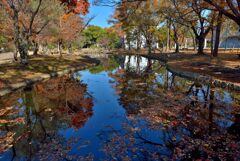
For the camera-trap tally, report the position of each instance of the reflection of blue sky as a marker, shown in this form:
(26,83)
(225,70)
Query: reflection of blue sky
(107,112)
(102,14)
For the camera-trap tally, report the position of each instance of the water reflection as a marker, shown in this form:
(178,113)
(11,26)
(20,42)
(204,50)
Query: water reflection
(127,108)
(193,116)
(38,115)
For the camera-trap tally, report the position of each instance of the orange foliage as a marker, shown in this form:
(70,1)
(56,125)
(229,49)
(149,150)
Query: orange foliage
(77,6)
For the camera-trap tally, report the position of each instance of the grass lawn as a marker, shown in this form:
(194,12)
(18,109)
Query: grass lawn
(12,73)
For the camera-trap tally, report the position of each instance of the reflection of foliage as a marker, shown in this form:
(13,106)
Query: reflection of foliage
(9,112)
(164,122)
(128,144)
(6,141)
(8,118)
(71,98)
(135,86)
(199,125)
(47,108)
(57,148)
(196,126)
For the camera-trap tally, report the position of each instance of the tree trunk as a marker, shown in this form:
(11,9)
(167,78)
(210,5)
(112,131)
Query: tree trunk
(15,54)
(177,48)
(149,43)
(129,45)
(201,40)
(194,41)
(138,42)
(149,49)
(60,48)
(212,41)
(70,49)
(16,33)
(218,32)
(168,37)
(176,39)
(36,48)
(23,51)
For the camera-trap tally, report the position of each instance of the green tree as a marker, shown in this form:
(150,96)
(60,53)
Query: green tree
(92,35)
(109,39)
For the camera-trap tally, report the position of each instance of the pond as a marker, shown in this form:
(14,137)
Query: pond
(126,108)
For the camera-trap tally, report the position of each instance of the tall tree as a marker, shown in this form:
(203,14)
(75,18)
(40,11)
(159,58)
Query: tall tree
(195,15)
(139,20)
(229,8)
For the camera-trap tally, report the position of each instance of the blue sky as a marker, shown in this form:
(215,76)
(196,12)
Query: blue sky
(102,14)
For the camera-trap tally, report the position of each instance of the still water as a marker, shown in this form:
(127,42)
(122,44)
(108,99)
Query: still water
(127,108)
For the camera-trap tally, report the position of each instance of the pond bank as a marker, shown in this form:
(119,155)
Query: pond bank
(126,105)
(223,71)
(14,76)
(213,82)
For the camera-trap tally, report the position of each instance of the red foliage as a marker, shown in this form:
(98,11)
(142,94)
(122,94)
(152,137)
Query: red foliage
(87,103)
(70,97)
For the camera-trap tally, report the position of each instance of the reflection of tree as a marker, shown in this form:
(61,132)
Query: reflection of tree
(188,125)
(191,130)
(135,83)
(8,119)
(199,124)
(69,97)
(50,106)
(138,84)
(129,144)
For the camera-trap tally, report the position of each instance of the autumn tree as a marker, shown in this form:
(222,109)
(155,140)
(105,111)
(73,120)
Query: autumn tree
(65,29)
(138,20)
(194,14)
(130,32)
(30,17)
(25,18)
(229,8)
(162,36)
(4,29)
